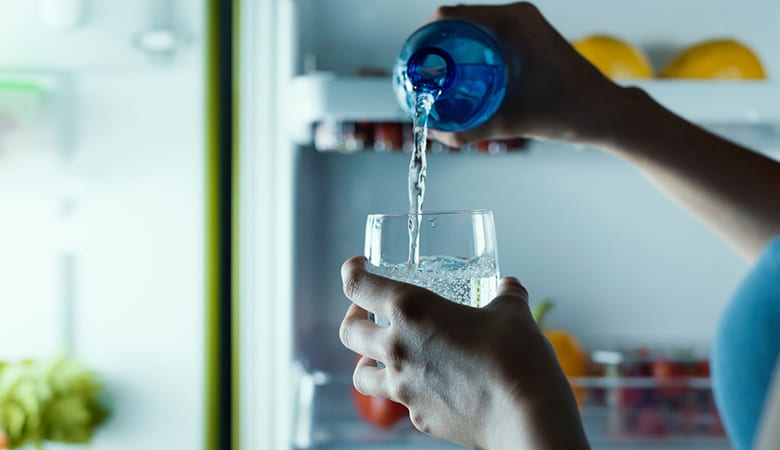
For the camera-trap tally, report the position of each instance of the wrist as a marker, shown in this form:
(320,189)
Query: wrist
(538,415)
(619,116)
(554,420)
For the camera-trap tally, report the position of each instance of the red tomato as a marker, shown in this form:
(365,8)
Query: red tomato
(379,412)
(3,440)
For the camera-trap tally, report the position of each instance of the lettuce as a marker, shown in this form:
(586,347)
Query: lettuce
(55,400)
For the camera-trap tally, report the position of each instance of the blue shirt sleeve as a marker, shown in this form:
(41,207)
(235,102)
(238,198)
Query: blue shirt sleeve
(746,348)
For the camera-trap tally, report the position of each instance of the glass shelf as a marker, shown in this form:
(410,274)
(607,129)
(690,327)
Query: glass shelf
(616,412)
(746,108)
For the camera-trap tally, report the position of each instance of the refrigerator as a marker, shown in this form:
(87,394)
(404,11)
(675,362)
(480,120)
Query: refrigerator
(634,277)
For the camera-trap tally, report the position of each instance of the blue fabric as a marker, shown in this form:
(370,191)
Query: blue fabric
(746,348)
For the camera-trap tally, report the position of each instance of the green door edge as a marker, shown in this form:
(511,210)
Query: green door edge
(236,253)
(222,200)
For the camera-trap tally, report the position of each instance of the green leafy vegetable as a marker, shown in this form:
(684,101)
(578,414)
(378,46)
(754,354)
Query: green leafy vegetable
(55,400)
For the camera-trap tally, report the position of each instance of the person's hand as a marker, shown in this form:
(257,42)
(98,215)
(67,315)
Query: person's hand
(552,91)
(483,378)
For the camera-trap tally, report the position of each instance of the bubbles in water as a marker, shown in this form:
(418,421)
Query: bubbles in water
(472,282)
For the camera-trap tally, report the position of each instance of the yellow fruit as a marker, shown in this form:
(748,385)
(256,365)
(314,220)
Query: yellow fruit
(717,59)
(614,58)
(572,358)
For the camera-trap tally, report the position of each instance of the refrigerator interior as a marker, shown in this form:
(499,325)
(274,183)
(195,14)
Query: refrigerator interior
(626,267)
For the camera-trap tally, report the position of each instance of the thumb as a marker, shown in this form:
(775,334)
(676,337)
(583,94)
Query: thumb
(511,286)
(491,129)
(460,138)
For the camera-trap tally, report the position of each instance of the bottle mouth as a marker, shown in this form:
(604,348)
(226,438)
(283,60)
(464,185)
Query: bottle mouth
(430,70)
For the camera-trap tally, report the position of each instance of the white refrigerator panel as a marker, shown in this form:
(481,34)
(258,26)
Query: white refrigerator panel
(106,255)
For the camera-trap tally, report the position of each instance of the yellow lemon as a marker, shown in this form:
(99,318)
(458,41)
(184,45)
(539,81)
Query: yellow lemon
(614,58)
(716,59)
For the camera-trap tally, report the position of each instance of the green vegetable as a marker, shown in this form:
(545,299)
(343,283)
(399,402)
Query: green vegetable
(55,400)
(540,310)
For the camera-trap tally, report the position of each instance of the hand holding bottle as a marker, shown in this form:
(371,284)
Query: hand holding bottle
(552,92)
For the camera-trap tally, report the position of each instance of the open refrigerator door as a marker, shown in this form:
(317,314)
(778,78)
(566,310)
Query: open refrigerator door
(101,225)
(324,144)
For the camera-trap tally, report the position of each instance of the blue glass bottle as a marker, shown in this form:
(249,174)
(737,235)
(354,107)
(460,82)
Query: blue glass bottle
(461,65)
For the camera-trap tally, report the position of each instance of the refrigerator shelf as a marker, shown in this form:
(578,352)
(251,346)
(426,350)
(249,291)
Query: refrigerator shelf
(616,412)
(324,97)
(394,137)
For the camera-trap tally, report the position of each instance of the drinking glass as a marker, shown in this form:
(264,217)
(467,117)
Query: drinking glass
(458,258)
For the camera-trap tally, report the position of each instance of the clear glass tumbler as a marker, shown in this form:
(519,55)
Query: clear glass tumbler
(458,257)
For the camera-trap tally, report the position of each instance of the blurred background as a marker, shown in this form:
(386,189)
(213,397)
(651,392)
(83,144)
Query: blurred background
(102,148)
(180,182)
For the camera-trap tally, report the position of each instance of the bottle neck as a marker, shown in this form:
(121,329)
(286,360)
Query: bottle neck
(431,70)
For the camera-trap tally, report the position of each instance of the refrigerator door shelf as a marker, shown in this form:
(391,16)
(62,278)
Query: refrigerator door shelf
(393,137)
(617,412)
(325,97)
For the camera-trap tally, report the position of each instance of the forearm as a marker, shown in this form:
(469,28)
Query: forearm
(734,191)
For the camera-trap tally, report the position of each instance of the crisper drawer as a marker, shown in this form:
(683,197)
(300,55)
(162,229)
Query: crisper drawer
(631,412)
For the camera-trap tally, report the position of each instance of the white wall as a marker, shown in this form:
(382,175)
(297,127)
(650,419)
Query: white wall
(135,228)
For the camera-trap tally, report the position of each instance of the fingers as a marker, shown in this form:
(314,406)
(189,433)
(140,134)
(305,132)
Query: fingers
(510,286)
(371,292)
(482,15)
(370,379)
(363,288)
(485,15)
(506,23)
(454,140)
(487,130)
(472,13)
(360,334)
